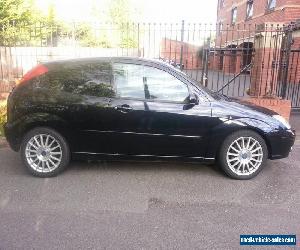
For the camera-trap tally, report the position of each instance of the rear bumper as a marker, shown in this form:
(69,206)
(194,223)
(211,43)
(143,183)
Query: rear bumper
(12,137)
(281,143)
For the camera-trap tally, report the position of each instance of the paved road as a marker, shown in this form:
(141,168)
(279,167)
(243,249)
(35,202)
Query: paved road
(145,205)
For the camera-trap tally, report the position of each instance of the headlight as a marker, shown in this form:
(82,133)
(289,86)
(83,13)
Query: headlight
(282,120)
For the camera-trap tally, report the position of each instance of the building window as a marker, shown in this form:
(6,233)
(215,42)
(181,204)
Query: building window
(233,15)
(220,27)
(271,4)
(249,10)
(221,3)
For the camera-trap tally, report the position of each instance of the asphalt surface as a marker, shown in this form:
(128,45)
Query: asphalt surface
(145,205)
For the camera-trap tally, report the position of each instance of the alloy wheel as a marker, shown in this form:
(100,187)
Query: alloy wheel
(244,155)
(43,153)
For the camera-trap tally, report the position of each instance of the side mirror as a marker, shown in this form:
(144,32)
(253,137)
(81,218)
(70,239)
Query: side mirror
(193,99)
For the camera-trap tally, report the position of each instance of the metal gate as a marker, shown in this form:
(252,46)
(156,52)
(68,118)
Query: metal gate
(289,80)
(292,90)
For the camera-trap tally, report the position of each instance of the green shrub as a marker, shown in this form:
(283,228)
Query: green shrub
(2,116)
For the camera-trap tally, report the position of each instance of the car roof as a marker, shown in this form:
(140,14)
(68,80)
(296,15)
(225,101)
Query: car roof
(138,60)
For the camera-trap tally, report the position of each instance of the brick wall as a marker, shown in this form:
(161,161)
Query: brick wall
(215,61)
(229,65)
(282,107)
(238,63)
(171,49)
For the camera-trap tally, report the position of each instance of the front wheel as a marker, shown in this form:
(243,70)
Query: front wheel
(243,154)
(45,152)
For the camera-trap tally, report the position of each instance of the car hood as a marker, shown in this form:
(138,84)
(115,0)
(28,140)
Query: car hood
(237,108)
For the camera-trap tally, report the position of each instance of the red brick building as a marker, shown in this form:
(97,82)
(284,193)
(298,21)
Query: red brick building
(254,31)
(240,12)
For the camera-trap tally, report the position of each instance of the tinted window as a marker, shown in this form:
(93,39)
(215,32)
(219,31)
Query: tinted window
(143,82)
(92,79)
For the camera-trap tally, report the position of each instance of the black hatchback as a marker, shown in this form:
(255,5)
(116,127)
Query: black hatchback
(132,107)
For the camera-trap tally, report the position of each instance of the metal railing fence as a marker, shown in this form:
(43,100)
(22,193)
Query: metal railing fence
(237,60)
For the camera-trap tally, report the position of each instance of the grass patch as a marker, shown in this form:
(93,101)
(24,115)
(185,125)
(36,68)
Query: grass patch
(2,116)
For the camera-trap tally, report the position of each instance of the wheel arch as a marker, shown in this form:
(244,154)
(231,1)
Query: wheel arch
(228,127)
(265,138)
(31,121)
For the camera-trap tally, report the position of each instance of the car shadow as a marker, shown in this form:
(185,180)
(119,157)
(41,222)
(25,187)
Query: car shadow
(11,165)
(144,165)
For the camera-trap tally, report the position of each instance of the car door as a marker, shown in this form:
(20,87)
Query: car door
(153,116)
(86,90)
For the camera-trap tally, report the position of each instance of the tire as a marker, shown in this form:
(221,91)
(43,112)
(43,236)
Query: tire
(44,152)
(243,162)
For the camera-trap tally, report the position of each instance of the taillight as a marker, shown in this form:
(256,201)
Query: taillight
(34,72)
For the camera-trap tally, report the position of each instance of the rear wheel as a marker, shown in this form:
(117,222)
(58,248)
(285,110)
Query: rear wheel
(44,152)
(243,155)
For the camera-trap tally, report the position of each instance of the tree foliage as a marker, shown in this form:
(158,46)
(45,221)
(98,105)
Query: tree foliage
(86,37)
(2,116)
(121,16)
(21,24)
(18,11)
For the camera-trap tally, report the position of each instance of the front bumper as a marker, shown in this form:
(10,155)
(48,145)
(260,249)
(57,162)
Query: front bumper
(281,143)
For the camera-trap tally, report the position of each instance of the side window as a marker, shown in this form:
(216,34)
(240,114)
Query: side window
(93,79)
(128,79)
(163,86)
(97,80)
(143,82)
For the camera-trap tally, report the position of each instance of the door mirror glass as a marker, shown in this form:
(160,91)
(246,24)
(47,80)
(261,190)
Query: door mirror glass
(193,99)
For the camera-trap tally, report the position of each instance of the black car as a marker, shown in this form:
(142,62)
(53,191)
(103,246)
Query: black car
(132,107)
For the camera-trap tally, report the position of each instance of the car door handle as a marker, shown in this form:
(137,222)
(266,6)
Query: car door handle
(123,108)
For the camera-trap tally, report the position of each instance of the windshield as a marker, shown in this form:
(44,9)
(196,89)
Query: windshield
(207,91)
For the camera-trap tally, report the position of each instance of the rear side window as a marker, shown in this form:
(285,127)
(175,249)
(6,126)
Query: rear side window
(92,79)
